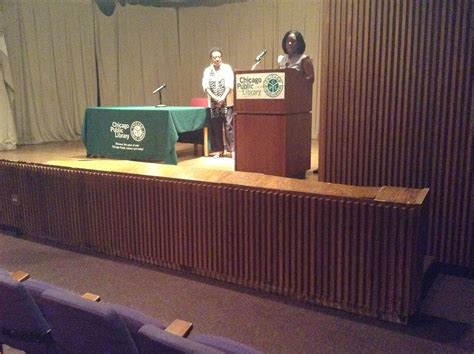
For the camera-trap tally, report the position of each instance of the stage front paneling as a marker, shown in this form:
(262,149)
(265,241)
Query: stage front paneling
(359,249)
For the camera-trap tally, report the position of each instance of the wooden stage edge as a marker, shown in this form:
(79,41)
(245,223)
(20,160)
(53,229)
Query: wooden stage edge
(358,249)
(189,168)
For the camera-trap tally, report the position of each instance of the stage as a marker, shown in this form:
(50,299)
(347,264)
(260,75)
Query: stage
(65,153)
(353,248)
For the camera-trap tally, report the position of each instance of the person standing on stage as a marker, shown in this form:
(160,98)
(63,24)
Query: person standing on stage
(293,46)
(218,83)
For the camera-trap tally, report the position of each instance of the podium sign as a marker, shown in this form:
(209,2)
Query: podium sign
(273,122)
(260,85)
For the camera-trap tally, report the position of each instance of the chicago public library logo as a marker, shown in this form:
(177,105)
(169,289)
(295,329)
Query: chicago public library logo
(137,131)
(273,85)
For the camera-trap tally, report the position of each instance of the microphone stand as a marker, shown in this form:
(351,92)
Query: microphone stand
(161,101)
(255,65)
(158,90)
(161,104)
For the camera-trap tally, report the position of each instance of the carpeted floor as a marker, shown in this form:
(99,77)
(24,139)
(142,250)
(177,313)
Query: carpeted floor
(268,323)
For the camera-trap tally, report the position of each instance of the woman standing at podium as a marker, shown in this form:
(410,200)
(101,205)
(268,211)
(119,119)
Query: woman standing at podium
(293,45)
(218,82)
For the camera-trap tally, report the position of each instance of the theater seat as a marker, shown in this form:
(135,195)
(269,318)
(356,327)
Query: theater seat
(83,326)
(134,320)
(155,340)
(22,325)
(225,344)
(37,287)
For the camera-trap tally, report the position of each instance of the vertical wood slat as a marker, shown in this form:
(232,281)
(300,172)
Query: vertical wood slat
(359,255)
(414,126)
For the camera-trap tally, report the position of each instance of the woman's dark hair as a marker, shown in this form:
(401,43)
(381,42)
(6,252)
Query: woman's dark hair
(300,44)
(214,49)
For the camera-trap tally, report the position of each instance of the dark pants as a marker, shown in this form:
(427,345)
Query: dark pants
(218,122)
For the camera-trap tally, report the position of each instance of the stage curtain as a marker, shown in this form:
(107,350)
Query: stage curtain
(66,55)
(51,48)
(138,50)
(8,137)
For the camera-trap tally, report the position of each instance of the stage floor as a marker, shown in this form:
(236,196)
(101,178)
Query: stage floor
(49,153)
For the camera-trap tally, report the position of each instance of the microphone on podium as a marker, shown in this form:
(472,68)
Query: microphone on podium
(261,55)
(160,88)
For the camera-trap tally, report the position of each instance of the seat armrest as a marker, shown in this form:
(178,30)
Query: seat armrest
(20,276)
(91,297)
(180,328)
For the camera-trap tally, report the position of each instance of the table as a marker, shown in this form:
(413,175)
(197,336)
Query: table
(144,133)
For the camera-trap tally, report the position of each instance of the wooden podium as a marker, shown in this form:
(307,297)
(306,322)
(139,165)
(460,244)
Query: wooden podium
(273,122)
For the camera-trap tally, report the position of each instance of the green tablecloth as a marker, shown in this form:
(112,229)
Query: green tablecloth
(145,133)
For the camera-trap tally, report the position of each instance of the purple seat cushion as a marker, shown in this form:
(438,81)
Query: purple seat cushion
(134,320)
(224,344)
(37,287)
(156,340)
(83,326)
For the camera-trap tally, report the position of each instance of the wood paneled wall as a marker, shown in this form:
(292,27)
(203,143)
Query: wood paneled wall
(396,107)
(330,248)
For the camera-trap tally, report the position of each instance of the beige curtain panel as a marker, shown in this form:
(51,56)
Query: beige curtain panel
(66,55)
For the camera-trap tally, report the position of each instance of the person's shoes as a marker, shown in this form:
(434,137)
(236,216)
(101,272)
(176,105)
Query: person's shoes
(217,155)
